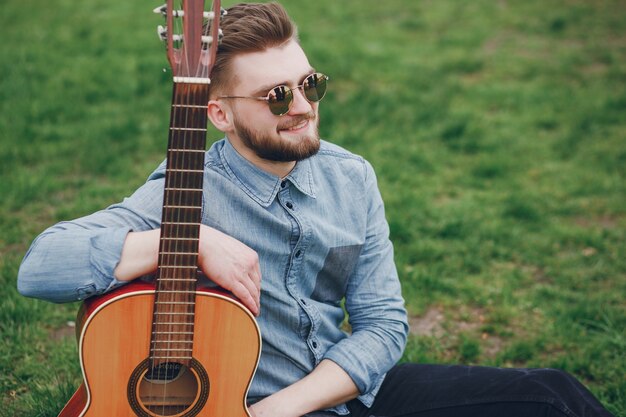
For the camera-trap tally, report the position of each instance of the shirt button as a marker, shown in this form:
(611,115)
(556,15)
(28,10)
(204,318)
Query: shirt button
(298,253)
(314,344)
(289,205)
(303,301)
(283,184)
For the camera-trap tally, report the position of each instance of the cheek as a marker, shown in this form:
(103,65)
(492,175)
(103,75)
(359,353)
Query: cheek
(255,116)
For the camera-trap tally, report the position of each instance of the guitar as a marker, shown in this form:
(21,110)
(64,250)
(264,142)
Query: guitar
(170,348)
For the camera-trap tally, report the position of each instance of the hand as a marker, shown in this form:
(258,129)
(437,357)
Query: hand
(326,386)
(232,265)
(260,409)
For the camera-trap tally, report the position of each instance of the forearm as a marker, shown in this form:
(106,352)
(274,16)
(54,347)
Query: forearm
(327,386)
(139,255)
(68,263)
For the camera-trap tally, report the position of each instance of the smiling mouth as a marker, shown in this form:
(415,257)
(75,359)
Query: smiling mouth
(299,126)
(302,124)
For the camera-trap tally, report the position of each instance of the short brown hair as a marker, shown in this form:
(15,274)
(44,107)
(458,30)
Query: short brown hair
(249,27)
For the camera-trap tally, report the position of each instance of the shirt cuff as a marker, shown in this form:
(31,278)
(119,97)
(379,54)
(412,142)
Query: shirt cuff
(106,250)
(367,385)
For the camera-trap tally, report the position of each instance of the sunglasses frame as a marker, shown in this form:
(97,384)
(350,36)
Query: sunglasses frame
(286,90)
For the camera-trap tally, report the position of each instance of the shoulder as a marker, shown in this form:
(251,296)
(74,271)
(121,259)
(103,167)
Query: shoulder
(337,154)
(341,160)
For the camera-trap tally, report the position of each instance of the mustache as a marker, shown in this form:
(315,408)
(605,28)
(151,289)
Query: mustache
(288,124)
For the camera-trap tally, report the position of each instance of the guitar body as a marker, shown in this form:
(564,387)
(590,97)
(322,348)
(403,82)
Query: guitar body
(114,340)
(170,349)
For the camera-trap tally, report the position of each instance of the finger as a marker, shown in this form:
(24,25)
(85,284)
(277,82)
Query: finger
(256,276)
(247,299)
(249,282)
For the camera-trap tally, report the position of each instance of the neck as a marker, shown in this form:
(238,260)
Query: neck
(277,168)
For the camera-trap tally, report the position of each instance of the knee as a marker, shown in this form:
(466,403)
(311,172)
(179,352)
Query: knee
(552,380)
(552,376)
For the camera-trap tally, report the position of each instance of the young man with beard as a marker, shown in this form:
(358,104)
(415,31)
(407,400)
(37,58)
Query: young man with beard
(292,226)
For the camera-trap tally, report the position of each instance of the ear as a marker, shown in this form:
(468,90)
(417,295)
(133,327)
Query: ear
(220,115)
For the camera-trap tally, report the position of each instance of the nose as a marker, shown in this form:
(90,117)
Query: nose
(300,104)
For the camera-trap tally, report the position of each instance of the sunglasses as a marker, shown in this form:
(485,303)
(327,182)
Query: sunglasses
(279,98)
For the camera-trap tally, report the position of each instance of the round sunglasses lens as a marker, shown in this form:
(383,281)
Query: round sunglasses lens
(279,99)
(315,86)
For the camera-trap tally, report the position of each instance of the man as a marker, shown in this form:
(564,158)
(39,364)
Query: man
(293,226)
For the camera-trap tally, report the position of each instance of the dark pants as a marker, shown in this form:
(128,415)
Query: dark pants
(412,390)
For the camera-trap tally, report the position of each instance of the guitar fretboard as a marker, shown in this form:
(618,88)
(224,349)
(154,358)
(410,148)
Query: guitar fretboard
(172,328)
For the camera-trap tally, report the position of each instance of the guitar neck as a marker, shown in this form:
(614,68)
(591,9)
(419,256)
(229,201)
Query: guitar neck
(180,223)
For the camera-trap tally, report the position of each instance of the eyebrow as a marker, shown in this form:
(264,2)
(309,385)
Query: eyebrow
(262,91)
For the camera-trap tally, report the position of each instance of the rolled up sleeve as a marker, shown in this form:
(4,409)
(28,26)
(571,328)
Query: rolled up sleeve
(375,306)
(76,259)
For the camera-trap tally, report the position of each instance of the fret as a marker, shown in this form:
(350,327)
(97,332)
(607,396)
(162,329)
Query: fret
(172,357)
(173,314)
(175,302)
(171,350)
(190,106)
(184,239)
(183,189)
(181,266)
(172,341)
(168,323)
(181,223)
(177,279)
(171,333)
(188,129)
(179,253)
(185,170)
(187,150)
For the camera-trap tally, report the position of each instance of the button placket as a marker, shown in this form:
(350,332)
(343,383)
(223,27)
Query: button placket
(295,266)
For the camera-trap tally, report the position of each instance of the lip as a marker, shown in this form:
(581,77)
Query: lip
(299,127)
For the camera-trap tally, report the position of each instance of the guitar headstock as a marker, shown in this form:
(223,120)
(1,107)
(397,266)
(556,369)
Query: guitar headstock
(192,35)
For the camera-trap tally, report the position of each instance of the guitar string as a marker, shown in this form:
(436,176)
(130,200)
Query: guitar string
(180,89)
(185,160)
(162,272)
(184,215)
(173,227)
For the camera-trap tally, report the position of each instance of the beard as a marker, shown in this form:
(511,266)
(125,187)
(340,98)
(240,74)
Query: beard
(274,147)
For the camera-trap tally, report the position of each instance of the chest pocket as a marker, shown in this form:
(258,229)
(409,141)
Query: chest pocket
(331,281)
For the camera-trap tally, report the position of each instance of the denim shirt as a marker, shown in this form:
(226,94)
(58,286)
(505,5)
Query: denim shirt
(323,245)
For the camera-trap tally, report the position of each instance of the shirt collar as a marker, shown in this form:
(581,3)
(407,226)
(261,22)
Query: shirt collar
(262,186)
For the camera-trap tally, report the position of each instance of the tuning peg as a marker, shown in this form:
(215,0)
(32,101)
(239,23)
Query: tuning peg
(162,34)
(210,15)
(162,9)
(209,39)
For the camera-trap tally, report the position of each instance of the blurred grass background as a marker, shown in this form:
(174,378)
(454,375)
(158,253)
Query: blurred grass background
(497,129)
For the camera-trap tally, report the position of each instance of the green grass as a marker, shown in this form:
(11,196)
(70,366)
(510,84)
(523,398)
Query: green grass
(496,128)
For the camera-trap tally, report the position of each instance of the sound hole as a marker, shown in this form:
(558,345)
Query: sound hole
(164,373)
(168,389)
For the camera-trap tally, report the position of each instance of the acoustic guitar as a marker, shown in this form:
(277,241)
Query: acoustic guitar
(171,348)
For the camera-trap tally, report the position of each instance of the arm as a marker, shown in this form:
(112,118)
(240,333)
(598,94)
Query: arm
(228,262)
(327,386)
(91,255)
(374,304)
(356,365)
